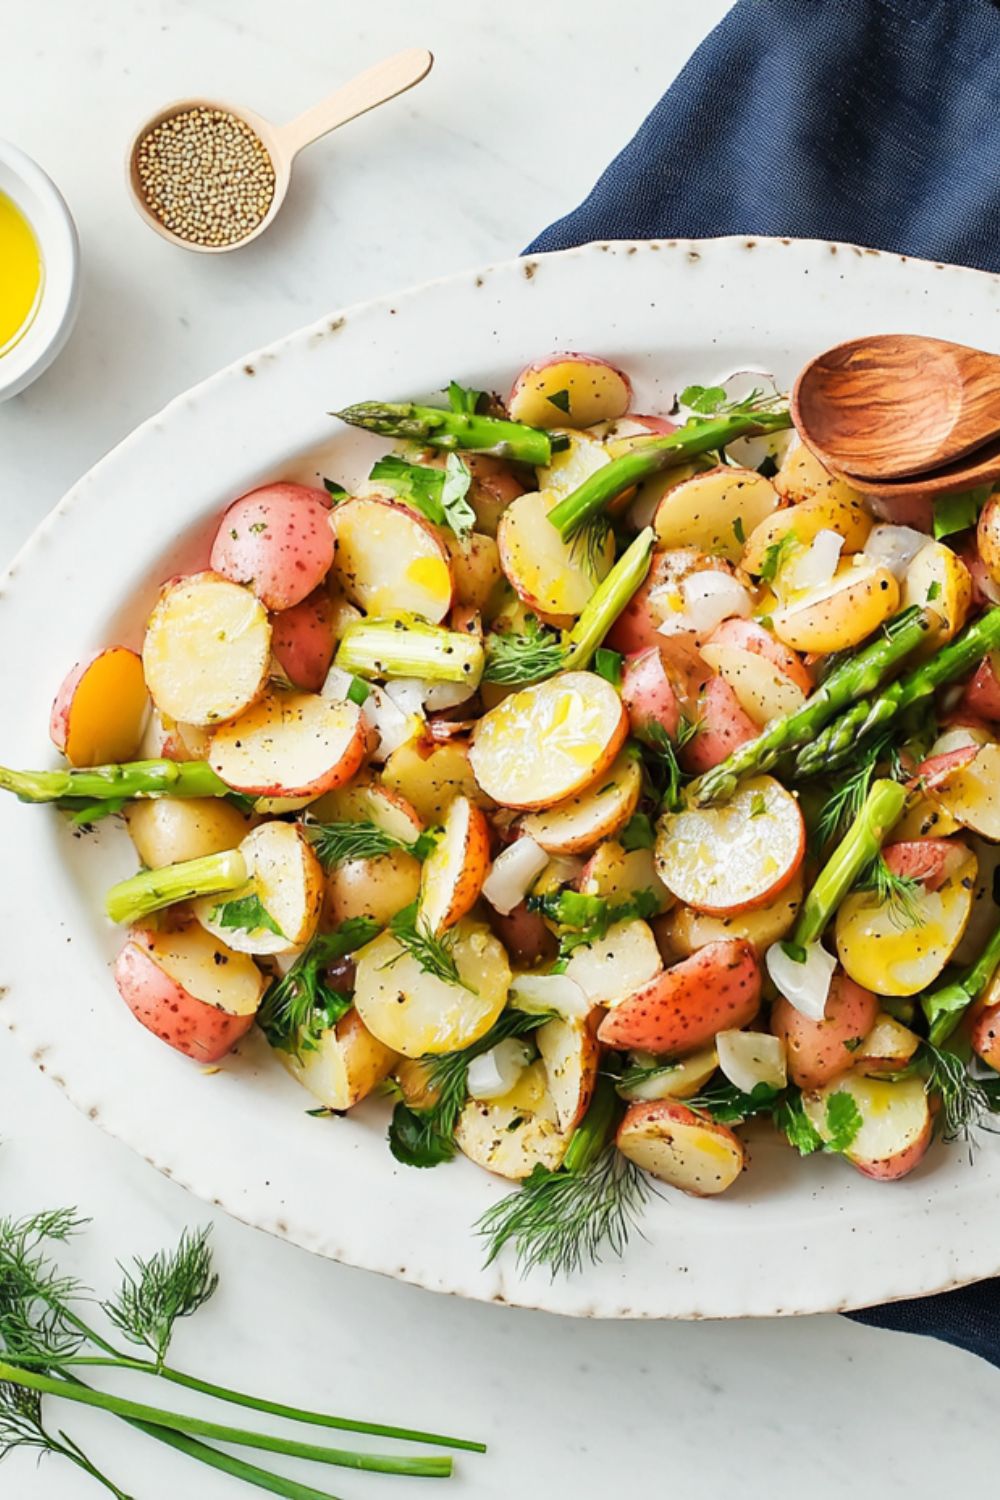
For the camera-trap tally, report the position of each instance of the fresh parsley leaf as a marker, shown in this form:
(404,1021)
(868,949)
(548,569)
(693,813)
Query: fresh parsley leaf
(638,833)
(586,919)
(843,1121)
(608,664)
(560,400)
(336,490)
(458,513)
(791,1119)
(416,1140)
(359,692)
(463,399)
(300,1006)
(439,494)
(958,512)
(248,913)
(726,1103)
(706,400)
(933,590)
(777,555)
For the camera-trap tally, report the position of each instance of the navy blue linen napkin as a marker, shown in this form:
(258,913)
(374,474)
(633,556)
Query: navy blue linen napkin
(876,122)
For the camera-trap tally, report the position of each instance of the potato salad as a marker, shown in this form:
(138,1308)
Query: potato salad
(604,788)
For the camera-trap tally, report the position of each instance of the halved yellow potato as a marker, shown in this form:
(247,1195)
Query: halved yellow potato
(290,745)
(581,822)
(839,614)
(677,1080)
(583,456)
(571,1055)
(286,878)
(369,802)
(207,649)
(687,1150)
(569,390)
(167,830)
(618,874)
(550,575)
(802,477)
(847,518)
(732,858)
(884,951)
(649,494)
(895,1128)
(685,930)
(429,777)
(413,1011)
(714,510)
(548,741)
(454,872)
(613,967)
(512,1135)
(923,818)
(345,1064)
(970,793)
(390,560)
(937,579)
(376,887)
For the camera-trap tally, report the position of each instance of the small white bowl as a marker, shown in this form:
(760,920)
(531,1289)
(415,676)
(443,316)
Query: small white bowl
(42,204)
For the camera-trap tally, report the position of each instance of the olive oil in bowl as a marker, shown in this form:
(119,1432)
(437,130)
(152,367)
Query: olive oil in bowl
(21,274)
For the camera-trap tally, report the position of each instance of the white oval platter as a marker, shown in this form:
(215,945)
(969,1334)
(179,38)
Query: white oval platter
(793,1236)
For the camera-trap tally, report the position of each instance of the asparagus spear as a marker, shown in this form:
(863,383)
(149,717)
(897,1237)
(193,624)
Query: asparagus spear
(839,740)
(881,809)
(859,674)
(945,1006)
(150,890)
(136,778)
(573,513)
(439,427)
(410,648)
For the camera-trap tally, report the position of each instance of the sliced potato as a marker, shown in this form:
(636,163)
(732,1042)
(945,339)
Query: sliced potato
(769,681)
(290,745)
(887,1048)
(803,478)
(619,874)
(687,1150)
(679,1080)
(390,560)
(613,967)
(369,802)
(988,537)
(569,390)
(412,1011)
(983,918)
(681,1009)
(513,1135)
(713,510)
(167,830)
(430,776)
(735,857)
(820,1050)
(343,1066)
(207,649)
(377,887)
(685,930)
(651,491)
(804,522)
(599,812)
(286,878)
(100,709)
(475,566)
(583,456)
(883,950)
(547,742)
(550,575)
(923,818)
(969,793)
(895,1126)
(454,872)
(839,614)
(937,578)
(570,1053)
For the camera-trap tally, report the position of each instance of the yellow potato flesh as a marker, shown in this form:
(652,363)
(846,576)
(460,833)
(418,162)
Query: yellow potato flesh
(569,468)
(208,969)
(288,745)
(345,1064)
(724,859)
(618,874)
(613,967)
(207,649)
(585,391)
(838,614)
(762,690)
(286,878)
(802,477)
(430,783)
(884,952)
(938,580)
(390,561)
(167,830)
(697,1159)
(549,574)
(846,518)
(894,1116)
(367,802)
(687,930)
(582,821)
(679,1080)
(971,794)
(704,511)
(377,887)
(513,1135)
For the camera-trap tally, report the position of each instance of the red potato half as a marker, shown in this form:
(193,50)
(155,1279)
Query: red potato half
(681,1009)
(887,1048)
(207,649)
(430,776)
(494,486)
(818,1051)
(303,641)
(549,741)
(613,967)
(554,577)
(767,678)
(344,1066)
(928,860)
(723,726)
(734,857)
(277,541)
(678,1146)
(638,626)
(581,822)
(290,745)
(619,874)
(286,878)
(969,790)
(569,390)
(369,802)
(571,1056)
(376,887)
(390,560)
(982,694)
(453,874)
(896,1123)
(684,930)
(192,991)
(167,830)
(100,709)
(512,1135)
(650,694)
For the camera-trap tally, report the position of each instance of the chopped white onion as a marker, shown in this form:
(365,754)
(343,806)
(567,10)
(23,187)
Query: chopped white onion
(804,985)
(816,564)
(751,1057)
(709,598)
(557,992)
(407,693)
(494,1073)
(514,872)
(895,547)
(390,723)
(414,694)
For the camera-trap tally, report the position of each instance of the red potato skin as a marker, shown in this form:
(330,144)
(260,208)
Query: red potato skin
(302,640)
(667,1112)
(723,727)
(926,860)
(661,426)
(716,989)
(933,772)
(892,1168)
(649,695)
(636,628)
(819,1051)
(524,935)
(982,694)
(748,635)
(278,541)
(350,761)
(188,1025)
(984,1034)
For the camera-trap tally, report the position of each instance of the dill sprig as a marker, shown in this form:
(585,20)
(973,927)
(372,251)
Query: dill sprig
(172,1284)
(515,657)
(35,1314)
(336,842)
(666,775)
(587,547)
(21,1426)
(967,1103)
(300,1006)
(845,802)
(898,893)
(432,951)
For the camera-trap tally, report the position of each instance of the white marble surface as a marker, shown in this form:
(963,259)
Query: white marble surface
(526,104)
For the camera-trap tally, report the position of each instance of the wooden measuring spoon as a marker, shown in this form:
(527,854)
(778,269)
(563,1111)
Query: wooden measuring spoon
(284,142)
(894,406)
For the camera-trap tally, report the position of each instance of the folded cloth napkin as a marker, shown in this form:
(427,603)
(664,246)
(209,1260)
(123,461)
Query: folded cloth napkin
(876,122)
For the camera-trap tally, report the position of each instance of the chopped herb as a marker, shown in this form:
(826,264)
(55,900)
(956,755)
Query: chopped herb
(560,400)
(514,657)
(335,843)
(933,590)
(586,919)
(706,400)
(726,1103)
(359,692)
(608,664)
(738,531)
(333,488)
(439,494)
(667,776)
(248,914)
(433,952)
(777,555)
(899,893)
(967,1103)
(843,1121)
(323,1112)
(758,805)
(256,527)
(791,1119)
(458,513)
(299,1007)
(638,833)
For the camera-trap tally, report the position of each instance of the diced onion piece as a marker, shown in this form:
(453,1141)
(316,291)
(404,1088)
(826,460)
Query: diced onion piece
(816,565)
(709,598)
(751,1057)
(494,1073)
(380,713)
(407,693)
(895,547)
(556,992)
(514,872)
(804,985)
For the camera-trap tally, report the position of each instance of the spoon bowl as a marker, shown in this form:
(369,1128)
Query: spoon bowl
(895,407)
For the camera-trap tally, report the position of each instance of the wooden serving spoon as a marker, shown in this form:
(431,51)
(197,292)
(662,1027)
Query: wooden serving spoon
(896,406)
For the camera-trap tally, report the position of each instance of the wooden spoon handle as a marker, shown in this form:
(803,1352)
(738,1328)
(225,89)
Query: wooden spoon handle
(392,76)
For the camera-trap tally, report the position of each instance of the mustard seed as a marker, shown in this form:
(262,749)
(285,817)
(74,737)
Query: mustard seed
(206,176)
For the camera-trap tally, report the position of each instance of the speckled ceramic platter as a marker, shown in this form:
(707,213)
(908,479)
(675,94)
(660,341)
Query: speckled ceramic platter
(793,1236)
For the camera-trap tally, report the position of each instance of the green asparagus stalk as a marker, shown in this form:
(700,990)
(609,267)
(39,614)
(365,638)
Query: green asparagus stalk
(860,673)
(838,741)
(409,647)
(596,492)
(945,1006)
(151,890)
(881,809)
(439,427)
(136,778)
